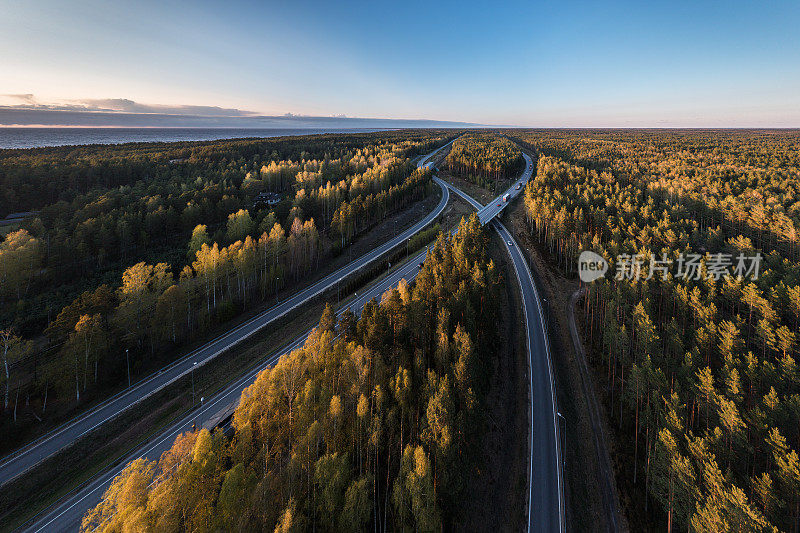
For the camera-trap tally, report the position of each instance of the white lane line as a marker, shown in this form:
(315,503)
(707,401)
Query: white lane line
(299,299)
(552,385)
(173,431)
(526,175)
(530,374)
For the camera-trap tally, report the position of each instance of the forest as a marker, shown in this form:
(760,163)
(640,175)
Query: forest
(372,424)
(483,158)
(134,251)
(698,368)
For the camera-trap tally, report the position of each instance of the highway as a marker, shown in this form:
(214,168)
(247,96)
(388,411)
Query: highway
(496,206)
(67,515)
(545,494)
(29,456)
(545,480)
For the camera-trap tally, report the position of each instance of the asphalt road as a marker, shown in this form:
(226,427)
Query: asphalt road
(26,458)
(545,481)
(67,515)
(546,498)
(496,206)
(545,507)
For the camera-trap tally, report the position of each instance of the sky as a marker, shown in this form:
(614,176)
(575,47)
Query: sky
(529,63)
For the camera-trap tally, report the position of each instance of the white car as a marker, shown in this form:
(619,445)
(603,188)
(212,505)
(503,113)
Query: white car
(510,243)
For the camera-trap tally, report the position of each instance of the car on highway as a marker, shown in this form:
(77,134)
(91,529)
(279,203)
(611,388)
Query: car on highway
(519,186)
(510,243)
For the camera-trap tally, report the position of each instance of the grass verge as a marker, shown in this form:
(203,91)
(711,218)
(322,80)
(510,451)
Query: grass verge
(582,473)
(498,486)
(65,472)
(31,427)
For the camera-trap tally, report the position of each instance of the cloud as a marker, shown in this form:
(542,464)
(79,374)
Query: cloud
(129,106)
(27,110)
(117,105)
(24,98)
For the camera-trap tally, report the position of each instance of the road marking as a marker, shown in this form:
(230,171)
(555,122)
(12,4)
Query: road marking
(372,292)
(299,298)
(483,210)
(175,429)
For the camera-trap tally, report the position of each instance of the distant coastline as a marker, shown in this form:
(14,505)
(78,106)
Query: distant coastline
(14,138)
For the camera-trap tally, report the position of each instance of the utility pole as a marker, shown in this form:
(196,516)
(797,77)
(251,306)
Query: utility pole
(276,290)
(563,434)
(128,361)
(193,365)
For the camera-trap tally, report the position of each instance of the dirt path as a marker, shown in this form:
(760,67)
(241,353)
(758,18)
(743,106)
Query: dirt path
(608,488)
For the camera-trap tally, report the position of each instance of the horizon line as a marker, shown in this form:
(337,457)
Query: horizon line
(454,127)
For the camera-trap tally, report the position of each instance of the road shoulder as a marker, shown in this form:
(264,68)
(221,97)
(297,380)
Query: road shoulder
(497,486)
(585,498)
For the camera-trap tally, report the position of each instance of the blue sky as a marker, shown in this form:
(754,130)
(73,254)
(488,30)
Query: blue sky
(530,63)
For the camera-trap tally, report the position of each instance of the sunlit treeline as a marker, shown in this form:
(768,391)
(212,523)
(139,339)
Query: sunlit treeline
(484,158)
(75,252)
(700,374)
(372,424)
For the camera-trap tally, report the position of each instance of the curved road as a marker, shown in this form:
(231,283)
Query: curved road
(67,515)
(545,507)
(545,481)
(26,458)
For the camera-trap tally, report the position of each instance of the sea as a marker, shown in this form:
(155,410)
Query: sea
(39,137)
